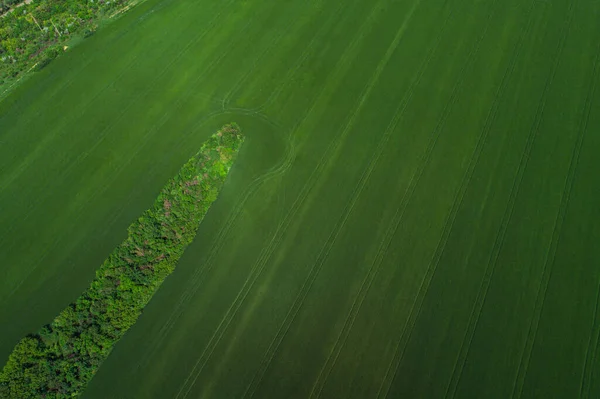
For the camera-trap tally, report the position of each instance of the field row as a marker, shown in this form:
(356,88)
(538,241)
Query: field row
(413,213)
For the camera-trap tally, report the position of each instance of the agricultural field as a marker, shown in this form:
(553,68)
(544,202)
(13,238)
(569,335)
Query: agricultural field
(414,212)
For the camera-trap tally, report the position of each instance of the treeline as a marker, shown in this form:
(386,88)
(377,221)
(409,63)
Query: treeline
(35,33)
(60,359)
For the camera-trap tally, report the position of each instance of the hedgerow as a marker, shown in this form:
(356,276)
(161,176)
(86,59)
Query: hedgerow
(60,359)
(33,33)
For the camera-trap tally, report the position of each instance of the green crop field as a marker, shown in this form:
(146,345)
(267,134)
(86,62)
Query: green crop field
(414,213)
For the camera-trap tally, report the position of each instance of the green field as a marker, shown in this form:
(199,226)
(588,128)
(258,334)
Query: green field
(414,213)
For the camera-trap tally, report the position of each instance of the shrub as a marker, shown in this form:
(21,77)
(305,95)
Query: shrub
(50,54)
(59,360)
(88,32)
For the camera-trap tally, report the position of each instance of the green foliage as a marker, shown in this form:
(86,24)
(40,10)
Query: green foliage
(28,31)
(48,55)
(60,359)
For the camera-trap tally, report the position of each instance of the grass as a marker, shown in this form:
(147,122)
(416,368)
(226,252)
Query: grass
(18,64)
(413,213)
(61,358)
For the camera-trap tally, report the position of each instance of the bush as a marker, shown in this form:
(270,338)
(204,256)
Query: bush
(88,32)
(60,359)
(50,54)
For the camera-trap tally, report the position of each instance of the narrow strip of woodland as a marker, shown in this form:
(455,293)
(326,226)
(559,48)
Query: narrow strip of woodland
(60,359)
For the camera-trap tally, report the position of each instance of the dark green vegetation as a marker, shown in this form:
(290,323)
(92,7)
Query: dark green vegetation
(62,358)
(33,33)
(414,212)
(6,5)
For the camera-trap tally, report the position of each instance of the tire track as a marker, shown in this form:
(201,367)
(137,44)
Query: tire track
(351,48)
(505,79)
(258,267)
(7,181)
(227,98)
(116,215)
(423,289)
(97,192)
(155,128)
(499,242)
(104,131)
(218,242)
(305,54)
(117,173)
(290,317)
(188,294)
(319,384)
(550,259)
(592,345)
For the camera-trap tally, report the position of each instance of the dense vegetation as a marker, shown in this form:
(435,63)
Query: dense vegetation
(34,33)
(63,356)
(415,214)
(5,5)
